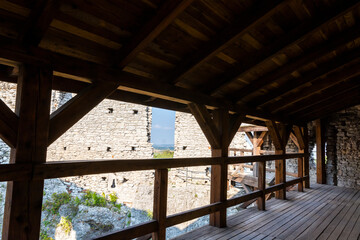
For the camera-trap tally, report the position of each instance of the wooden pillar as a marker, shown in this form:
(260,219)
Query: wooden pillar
(306,158)
(320,152)
(261,185)
(160,202)
(24,198)
(300,138)
(219,130)
(279,134)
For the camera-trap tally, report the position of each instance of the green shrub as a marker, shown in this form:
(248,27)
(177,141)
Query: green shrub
(57,199)
(44,235)
(113,197)
(92,199)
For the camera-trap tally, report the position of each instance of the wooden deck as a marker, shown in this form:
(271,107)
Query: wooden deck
(322,212)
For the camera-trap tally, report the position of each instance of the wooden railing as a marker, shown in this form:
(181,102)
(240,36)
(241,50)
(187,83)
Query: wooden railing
(16,172)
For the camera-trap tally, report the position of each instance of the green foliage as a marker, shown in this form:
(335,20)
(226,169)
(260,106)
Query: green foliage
(65,225)
(44,235)
(92,199)
(77,201)
(113,197)
(164,154)
(149,214)
(57,199)
(196,195)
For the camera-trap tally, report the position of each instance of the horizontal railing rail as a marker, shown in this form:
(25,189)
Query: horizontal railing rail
(16,172)
(58,169)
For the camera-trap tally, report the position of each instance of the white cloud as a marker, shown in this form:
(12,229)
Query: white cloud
(162,127)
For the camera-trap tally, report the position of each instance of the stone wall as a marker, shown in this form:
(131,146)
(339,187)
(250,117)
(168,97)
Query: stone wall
(342,148)
(191,142)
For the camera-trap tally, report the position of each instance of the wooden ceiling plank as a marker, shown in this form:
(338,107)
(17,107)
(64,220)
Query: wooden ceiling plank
(253,16)
(324,108)
(295,64)
(77,107)
(322,69)
(39,21)
(91,72)
(253,129)
(162,19)
(316,86)
(294,37)
(324,95)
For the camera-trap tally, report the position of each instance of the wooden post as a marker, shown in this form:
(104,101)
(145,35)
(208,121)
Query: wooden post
(299,135)
(320,152)
(279,135)
(261,185)
(160,202)
(24,198)
(306,158)
(219,130)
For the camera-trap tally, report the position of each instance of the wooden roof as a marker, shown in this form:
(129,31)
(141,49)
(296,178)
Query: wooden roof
(290,61)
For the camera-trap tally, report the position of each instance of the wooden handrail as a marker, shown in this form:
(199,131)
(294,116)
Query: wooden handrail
(14,172)
(132,232)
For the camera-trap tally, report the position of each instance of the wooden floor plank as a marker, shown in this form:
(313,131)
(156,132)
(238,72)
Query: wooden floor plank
(340,218)
(323,212)
(302,221)
(321,223)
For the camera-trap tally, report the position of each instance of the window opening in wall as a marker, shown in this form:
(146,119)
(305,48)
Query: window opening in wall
(89,148)
(64,148)
(135,111)
(184,147)
(110,110)
(133,148)
(108,149)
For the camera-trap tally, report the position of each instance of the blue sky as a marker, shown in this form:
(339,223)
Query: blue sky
(163,126)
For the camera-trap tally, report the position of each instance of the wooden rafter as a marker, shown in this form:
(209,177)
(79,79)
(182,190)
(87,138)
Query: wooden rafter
(291,38)
(296,63)
(129,82)
(316,86)
(260,11)
(323,69)
(323,109)
(275,134)
(39,21)
(162,19)
(324,95)
(77,107)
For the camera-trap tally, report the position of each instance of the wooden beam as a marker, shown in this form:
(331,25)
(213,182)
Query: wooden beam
(320,152)
(8,125)
(132,231)
(299,136)
(22,216)
(278,136)
(261,185)
(324,108)
(87,71)
(329,93)
(206,124)
(294,37)
(310,55)
(77,107)
(307,77)
(318,85)
(153,27)
(257,13)
(160,202)
(253,129)
(39,21)
(306,157)
(235,123)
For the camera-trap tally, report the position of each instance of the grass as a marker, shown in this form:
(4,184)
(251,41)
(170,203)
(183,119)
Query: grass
(65,225)
(164,154)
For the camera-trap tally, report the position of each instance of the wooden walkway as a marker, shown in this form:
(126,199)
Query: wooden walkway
(322,212)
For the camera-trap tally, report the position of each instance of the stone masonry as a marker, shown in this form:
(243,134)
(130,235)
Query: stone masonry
(342,148)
